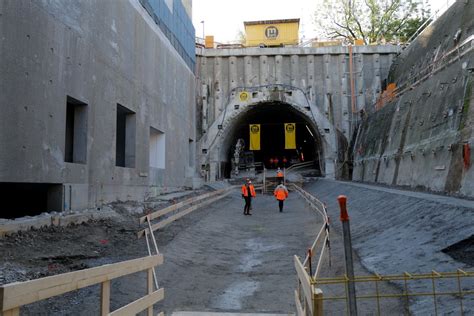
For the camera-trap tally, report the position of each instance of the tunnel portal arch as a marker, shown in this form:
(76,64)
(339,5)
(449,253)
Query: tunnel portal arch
(291,104)
(271,116)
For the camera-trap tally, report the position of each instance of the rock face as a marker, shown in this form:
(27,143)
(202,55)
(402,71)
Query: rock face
(422,137)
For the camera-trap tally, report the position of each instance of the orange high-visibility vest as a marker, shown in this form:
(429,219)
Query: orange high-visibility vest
(279,174)
(246,193)
(280,193)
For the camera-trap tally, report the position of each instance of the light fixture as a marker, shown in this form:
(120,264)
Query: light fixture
(309,130)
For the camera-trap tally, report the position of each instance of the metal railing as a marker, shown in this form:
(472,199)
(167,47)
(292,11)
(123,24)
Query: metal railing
(436,292)
(431,19)
(436,289)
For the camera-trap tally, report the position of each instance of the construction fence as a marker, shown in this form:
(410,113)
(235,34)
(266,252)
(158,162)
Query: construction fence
(432,293)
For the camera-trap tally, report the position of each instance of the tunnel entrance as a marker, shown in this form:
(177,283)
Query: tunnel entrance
(272,116)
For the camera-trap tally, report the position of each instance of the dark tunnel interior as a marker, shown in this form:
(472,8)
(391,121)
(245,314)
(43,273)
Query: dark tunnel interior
(272,117)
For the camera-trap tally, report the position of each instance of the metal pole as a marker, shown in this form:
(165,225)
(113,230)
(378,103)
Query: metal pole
(203,33)
(346,231)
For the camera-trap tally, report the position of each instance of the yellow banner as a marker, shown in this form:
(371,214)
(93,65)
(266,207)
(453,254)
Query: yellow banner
(290,136)
(254,137)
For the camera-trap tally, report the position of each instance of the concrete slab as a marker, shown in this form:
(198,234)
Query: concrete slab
(8,227)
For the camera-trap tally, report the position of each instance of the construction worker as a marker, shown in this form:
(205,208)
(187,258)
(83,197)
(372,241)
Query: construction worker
(248,192)
(279,176)
(281,193)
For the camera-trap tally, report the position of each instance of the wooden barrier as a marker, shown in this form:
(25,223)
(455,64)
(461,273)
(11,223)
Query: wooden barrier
(15,295)
(312,301)
(207,197)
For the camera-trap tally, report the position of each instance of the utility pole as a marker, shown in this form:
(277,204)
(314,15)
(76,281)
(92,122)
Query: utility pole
(203,33)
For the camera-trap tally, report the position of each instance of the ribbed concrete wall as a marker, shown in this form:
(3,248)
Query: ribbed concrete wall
(322,73)
(316,80)
(101,53)
(417,139)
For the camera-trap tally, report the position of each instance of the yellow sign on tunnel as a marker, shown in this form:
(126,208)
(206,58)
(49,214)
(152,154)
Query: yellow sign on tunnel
(290,136)
(254,136)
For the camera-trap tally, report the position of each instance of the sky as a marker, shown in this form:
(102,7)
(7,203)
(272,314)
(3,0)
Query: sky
(224,18)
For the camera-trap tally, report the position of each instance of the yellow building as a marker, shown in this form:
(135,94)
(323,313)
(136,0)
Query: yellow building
(272,32)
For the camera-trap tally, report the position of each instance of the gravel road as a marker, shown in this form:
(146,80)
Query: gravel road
(217,259)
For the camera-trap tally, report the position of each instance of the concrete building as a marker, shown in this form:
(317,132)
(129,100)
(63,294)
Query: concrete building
(96,102)
(272,33)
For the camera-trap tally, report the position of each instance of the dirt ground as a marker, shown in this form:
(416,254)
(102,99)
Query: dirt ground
(216,259)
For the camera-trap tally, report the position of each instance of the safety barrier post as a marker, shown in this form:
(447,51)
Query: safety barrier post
(317,302)
(346,231)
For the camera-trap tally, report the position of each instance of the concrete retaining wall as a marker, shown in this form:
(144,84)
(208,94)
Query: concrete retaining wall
(417,139)
(315,81)
(321,73)
(102,53)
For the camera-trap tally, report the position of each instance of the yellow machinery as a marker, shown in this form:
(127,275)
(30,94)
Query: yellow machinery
(272,32)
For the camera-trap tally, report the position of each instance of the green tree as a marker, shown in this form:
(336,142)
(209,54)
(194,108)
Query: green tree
(373,21)
(241,38)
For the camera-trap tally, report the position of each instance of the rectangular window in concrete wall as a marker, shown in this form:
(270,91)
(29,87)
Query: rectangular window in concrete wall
(30,199)
(191,153)
(75,149)
(157,149)
(125,137)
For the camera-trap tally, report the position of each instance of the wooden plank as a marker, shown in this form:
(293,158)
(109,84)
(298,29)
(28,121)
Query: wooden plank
(149,281)
(179,215)
(178,205)
(1,299)
(11,312)
(318,302)
(105,298)
(185,212)
(305,282)
(139,305)
(23,293)
(172,208)
(299,308)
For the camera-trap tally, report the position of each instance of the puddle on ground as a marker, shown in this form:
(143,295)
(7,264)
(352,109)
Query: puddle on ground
(234,295)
